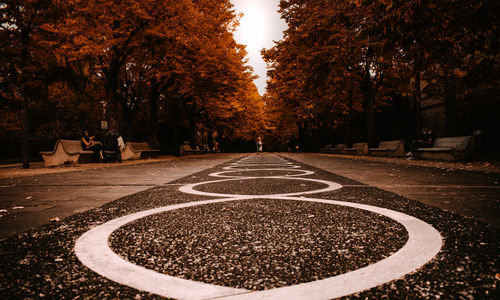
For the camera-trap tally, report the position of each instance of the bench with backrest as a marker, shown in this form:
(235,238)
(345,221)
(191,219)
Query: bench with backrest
(67,152)
(358,149)
(186,150)
(325,149)
(448,149)
(339,148)
(389,148)
(136,150)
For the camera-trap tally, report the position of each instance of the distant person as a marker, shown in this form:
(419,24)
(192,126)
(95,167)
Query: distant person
(425,141)
(88,143)
(258,145)
(215,141)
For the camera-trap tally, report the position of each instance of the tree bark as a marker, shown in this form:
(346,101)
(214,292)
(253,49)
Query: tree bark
(176,138)
(417,98)
(451,128)
(368,106)
(369,119)
(153,113)
(26,99)
(26,134)
(302,134)
(190,110)
(349,117)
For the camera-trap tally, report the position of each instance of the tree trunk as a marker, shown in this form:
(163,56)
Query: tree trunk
(369,119)
(128,115)
(368,106)
(192,132)
(451,125)
(417,105)
(111,85)
(176,138)
(190,110)
(26,134)
(349,117)
(153,114)
(302,134)
(26,101)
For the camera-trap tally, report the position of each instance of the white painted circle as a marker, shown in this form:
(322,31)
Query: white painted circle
(223,174)
(424,242)
(237,166)
(330,186)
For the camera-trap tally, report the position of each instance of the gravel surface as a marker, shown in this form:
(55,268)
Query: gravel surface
(465,267)
(259,244)
(260,187)
(255,244)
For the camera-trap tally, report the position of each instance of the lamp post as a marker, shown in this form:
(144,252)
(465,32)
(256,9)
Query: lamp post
(104,123)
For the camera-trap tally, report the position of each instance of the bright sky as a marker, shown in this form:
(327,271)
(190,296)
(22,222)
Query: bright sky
(259,27)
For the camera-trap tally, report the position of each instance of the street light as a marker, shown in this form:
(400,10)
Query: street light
(104,123)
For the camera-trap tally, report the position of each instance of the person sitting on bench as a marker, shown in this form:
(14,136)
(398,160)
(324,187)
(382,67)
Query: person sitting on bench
(113,145)
(425,141)
(89,144)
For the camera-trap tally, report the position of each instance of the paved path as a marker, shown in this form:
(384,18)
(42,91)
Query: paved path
(260,226)
(474,194)
(31,201)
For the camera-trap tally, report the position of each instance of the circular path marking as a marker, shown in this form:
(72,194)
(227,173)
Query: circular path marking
(424,242)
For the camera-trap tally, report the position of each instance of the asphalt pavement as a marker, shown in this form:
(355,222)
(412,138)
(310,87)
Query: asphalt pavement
(471,193)
(294,226)
(35,199)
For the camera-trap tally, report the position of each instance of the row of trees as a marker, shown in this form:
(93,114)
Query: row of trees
(340,59)
(166,68)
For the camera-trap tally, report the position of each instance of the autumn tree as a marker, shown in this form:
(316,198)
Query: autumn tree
(340,57)
(441,42)
(27,65)
(154,62)
(330,53)
(178,56)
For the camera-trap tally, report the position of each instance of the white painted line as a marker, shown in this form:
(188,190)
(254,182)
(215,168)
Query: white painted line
(330,186)
(223,173)
(236,166)
(424,242)
(93,251)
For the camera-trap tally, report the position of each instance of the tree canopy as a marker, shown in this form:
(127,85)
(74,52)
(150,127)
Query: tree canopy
(166,70)
(340,60)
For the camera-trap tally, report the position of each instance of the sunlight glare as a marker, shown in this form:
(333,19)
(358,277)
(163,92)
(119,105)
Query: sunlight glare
(252,29)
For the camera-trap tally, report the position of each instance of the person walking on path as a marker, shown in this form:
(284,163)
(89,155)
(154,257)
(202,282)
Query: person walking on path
(258,144)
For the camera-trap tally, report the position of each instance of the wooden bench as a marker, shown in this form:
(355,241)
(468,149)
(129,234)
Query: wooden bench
(358,149)
(186,150)
(325,149)
(389,148)
(339,148)
(67,152)
(447,149)
(136,150)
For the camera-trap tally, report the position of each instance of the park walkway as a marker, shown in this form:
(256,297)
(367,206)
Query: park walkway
(240,226)
(35,196)
(470,189)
